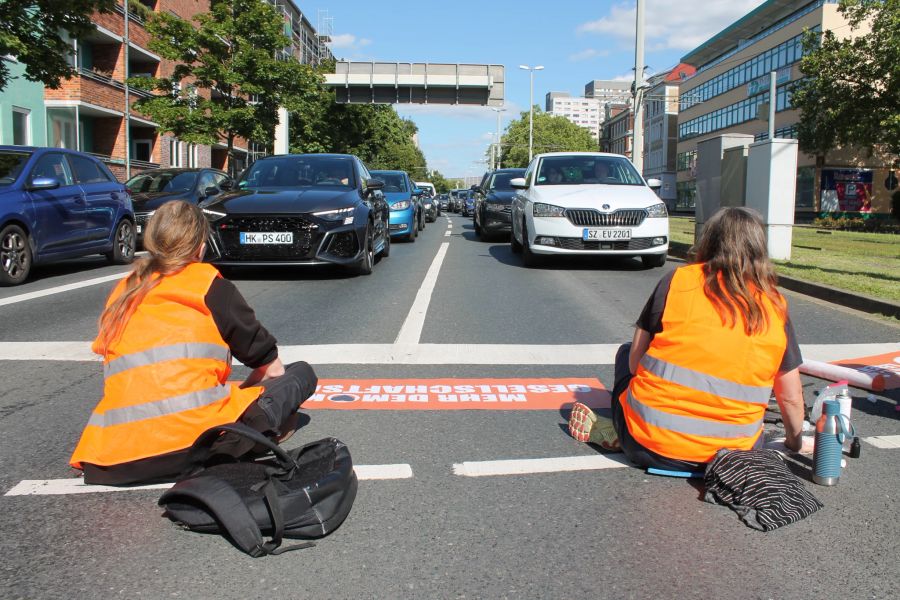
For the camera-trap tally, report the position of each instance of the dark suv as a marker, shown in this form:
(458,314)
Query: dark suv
(492,207)
(57,204)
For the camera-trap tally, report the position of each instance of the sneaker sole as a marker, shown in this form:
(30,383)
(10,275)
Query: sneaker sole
(581,421)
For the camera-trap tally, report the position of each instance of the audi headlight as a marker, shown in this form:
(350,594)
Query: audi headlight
(548,210)
(212,215)
(402,205)
(657,211)
(339,214)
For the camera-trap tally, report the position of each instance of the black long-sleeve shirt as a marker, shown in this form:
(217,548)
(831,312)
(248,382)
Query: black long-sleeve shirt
(249,341)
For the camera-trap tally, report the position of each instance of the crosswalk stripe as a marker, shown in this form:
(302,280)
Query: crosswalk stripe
(430,354)
(59,487)
(540,465)
(884,441)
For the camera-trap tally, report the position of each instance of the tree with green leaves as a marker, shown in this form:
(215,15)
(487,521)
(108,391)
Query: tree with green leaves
(229,80)
(551,134)
(39,33)
(850,95)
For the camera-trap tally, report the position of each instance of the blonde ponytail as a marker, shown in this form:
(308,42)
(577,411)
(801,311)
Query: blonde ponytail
(173,239)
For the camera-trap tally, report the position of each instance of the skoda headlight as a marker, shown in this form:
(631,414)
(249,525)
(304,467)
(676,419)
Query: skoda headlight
(339,214)
(212,215)
(548,210)
(402,205)
(657,210)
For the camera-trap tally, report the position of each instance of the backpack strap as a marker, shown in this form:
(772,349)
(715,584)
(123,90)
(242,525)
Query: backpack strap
(227,506)
(199,451)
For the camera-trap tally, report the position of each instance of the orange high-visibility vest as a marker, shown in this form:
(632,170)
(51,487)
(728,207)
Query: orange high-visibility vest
(702,386)
(164,378)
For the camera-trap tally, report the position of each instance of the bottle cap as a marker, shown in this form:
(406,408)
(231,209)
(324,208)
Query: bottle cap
(831,407)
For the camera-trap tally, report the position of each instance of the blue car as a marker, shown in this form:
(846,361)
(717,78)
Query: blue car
(57,204)
(402,195)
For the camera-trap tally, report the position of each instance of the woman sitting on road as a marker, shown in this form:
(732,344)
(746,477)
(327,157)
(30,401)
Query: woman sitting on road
(708,348)
(167,336)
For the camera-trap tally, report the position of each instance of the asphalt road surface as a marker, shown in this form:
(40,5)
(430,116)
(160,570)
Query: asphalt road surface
(441,512)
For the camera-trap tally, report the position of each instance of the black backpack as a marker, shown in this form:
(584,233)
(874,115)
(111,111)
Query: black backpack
(306,492)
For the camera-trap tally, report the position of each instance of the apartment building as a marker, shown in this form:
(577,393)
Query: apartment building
(618,128)
(584,112)
(90,112)
(730,92)
(661,129)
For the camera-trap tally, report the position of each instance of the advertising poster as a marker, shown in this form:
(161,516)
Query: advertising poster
(846,190)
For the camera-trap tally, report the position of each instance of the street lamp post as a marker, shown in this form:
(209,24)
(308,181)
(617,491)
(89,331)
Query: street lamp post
(531,71)
(496,161)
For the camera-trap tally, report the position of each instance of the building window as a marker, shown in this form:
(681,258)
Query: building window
(175,149)
(142,150)
(62,132)
(21,125)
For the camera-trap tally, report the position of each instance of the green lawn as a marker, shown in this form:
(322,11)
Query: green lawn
(868,263)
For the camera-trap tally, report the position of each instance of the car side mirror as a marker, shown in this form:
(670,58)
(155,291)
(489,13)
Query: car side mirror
(475,188)
(210,191)
(374,184)
(44,183)
(518,183)
(654,183)
(226,185)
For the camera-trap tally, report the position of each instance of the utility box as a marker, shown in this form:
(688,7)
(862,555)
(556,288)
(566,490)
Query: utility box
(734,176)
(709,174)
(772,191)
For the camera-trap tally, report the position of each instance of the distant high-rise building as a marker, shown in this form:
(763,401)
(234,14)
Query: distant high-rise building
(607,90)
(584,112)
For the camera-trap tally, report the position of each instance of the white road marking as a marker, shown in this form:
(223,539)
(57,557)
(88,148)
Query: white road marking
(540,465)
(447,233)
(884,441)
(417,354)
(830,352)
(449,224)
(411,330)
(58,487)
(61,288)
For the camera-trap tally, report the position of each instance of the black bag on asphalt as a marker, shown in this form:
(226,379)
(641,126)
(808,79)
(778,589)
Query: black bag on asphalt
(306,493)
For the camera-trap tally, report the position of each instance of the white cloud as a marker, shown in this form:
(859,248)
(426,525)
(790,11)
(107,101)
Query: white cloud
(670,24)
(587,54)
(348,41)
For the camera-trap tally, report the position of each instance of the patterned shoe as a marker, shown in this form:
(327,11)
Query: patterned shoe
(586,426)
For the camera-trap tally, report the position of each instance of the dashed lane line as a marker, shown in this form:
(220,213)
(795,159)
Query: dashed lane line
(61,288)
(430,354)
(447,233)
(412,327)
(540,465)
(884,441)
(60,487)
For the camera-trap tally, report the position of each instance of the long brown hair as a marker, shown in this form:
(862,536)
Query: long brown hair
(173,238)
(738,271)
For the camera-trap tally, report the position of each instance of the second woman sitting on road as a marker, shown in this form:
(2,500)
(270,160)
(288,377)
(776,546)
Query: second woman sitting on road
(167,336)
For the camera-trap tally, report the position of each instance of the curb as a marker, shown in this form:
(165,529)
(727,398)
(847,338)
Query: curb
(821,291)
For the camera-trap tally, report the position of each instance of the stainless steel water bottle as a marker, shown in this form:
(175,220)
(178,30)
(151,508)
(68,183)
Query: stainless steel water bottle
(830,435)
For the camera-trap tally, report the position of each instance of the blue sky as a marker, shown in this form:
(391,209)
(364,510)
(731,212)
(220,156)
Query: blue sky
(575,40)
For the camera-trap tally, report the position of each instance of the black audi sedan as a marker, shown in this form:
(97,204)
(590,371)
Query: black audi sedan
(492,210)
(151,189)
(301,209)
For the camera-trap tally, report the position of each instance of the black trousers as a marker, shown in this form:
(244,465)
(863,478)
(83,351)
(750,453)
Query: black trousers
(270,414)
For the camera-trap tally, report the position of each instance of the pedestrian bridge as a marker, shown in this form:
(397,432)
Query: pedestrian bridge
(417,83)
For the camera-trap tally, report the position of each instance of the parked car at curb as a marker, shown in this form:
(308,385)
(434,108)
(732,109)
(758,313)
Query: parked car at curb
(301,209)
(493,203)
(587,203)
(403,198)
(151,189)
(57,204)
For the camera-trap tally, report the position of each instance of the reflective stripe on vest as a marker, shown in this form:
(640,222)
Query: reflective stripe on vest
(690,425)
(164,353)
(159,408)
(706,383)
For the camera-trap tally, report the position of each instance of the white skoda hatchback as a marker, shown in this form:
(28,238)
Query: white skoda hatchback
(587,203)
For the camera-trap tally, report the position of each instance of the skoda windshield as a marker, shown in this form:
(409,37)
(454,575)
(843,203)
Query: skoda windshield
(165,182)
(299,171)
(11,164)
(500,181)
(586,170)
